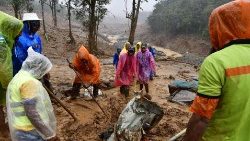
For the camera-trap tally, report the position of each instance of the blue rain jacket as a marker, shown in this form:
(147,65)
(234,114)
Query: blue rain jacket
(153,51)
(21,46)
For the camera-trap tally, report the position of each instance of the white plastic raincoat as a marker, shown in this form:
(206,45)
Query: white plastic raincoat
(29,107)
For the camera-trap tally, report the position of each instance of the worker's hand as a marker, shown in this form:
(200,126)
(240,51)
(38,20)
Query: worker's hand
(71,65)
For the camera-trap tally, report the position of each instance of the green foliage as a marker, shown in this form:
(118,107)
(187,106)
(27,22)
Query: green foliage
(82,10)
(174,17)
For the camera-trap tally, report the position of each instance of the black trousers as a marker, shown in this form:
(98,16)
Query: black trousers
(77,86)
(146,87)
(124,89)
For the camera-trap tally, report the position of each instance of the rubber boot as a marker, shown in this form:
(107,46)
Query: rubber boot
(95,90)
(141,87)
(146,88)
(124,90)
(75,91)
(147,92)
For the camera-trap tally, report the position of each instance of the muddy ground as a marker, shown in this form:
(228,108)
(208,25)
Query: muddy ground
(92,121)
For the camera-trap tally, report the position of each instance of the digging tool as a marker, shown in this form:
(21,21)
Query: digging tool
(51,94)
(78,75)
(178,135)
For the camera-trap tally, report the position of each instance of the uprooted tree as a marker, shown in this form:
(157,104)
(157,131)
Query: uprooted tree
(90,13)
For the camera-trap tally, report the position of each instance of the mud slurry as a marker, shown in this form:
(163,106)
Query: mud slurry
(93,122)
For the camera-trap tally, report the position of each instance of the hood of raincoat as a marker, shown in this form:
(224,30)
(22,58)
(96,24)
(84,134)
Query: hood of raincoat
(138,44)
(83,53)
(26,31)
(10,27)
(90,72)
(126,44)
(229,22)
(124,50)
(36,64)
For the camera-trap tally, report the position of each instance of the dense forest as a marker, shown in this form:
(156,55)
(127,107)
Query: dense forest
(175,17)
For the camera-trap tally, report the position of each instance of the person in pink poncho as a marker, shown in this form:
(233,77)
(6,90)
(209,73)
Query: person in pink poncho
(126,71)
(145,66)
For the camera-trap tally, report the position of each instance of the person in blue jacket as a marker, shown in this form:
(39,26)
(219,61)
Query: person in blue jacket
(152,50)
(28,38)
(116,57)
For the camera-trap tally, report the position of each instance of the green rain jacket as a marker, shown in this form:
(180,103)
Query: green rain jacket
(10,27)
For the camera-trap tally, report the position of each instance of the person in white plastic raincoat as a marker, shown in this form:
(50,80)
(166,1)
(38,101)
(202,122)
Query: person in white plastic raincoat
(29,109)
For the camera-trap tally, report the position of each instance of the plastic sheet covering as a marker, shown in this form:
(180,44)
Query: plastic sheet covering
(29,108)
(185,85)
(229,22)
(139,115)
(87,94)
(36,64)
(184,96)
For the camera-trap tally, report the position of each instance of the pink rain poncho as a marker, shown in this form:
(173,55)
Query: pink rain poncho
(126,70)
(145,66)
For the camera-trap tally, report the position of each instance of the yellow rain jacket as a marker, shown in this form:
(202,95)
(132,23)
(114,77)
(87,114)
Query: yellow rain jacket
(10,27)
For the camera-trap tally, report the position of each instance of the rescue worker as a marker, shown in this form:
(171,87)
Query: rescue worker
(116,57)
(28,38)
(138,47)
(145,65)
(125,48)
(10,28)
(153,52)
(88,66)
(29,109)
(221,107)
(126,71)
